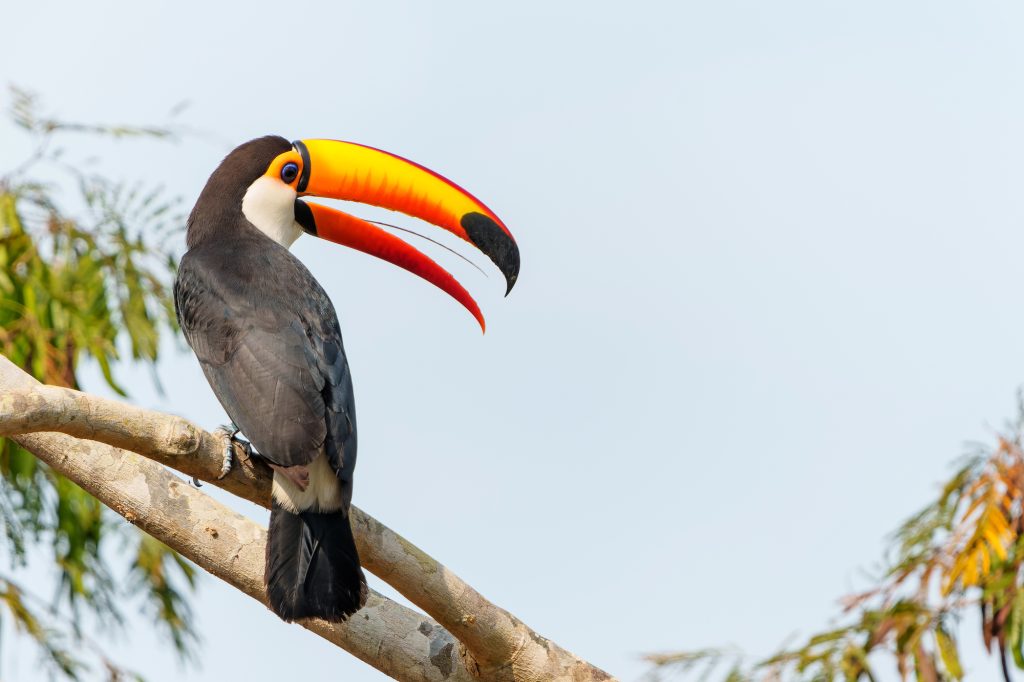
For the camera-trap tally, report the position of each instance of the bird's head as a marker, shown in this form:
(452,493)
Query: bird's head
(268,178)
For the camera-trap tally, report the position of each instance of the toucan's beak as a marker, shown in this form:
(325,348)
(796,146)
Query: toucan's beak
(353,172)
(355,233)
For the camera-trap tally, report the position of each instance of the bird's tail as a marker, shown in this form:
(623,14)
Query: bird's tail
(312,566)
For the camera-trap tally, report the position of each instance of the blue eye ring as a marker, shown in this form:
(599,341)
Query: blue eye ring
(289,172)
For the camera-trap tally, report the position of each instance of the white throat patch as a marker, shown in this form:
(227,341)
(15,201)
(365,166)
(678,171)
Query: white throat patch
(269,204)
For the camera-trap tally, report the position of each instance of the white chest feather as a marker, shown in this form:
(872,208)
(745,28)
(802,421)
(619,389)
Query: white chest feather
(270,205)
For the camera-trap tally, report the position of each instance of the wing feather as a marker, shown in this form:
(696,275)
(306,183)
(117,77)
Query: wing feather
(275,361)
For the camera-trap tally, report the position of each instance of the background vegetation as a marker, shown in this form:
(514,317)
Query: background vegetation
(85,269)
(963,552)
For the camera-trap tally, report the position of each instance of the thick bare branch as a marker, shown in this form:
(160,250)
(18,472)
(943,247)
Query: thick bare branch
(388,636)
(494,644)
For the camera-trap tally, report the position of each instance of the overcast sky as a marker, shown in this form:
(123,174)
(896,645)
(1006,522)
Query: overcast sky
(770,285)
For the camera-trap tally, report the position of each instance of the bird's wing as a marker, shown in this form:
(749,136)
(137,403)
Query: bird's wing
(277,366)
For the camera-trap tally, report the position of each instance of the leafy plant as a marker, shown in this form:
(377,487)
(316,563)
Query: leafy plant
(964,551)
(85,270)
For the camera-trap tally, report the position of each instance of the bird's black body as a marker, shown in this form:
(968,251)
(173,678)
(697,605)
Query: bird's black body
(268,341)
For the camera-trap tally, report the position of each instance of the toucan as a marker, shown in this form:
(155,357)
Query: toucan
(268,340)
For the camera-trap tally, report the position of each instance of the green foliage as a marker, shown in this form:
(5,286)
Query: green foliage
(963,552)
(85,271)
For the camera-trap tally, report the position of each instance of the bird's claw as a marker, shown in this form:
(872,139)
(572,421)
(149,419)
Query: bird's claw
(230,432)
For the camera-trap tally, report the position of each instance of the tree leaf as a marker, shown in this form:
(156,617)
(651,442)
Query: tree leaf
(948,652)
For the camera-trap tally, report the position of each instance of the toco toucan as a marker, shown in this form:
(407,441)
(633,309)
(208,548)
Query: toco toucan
(268,340)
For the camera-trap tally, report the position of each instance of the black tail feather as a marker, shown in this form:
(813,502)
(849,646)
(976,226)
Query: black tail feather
(312,566)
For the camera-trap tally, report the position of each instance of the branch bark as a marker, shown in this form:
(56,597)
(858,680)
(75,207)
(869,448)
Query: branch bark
(469,637)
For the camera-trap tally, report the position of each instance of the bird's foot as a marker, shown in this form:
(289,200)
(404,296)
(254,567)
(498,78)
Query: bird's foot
(230,434)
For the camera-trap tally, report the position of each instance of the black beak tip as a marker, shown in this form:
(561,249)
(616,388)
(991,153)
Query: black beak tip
(496,243)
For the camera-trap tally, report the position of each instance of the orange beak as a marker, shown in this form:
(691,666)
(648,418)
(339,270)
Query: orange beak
(353,172)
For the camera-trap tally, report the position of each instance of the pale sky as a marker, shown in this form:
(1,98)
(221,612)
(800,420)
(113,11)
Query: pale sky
(770,286)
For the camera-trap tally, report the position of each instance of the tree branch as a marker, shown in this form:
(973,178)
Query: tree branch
(492,643)
(232,548)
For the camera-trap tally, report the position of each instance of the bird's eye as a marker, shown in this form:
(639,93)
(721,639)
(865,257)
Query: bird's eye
(289,172)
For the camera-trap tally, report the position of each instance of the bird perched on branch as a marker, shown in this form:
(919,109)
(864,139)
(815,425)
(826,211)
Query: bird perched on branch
(268,340)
